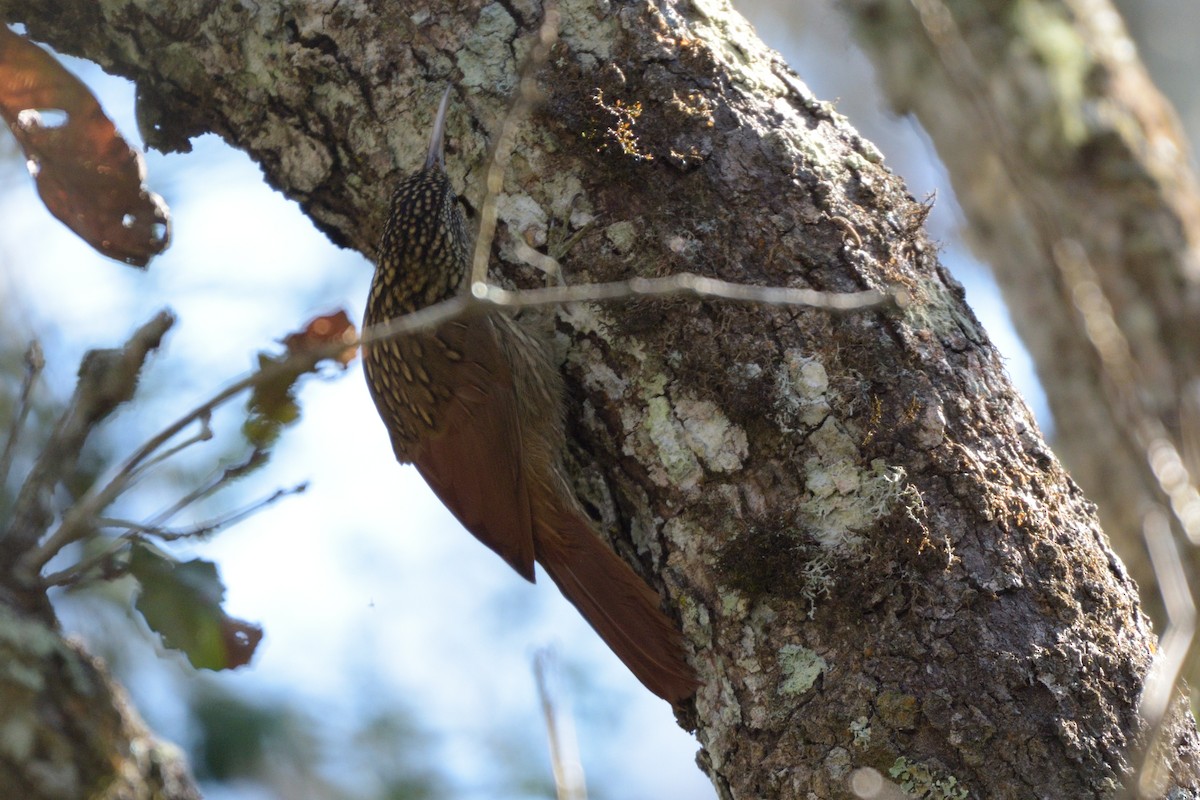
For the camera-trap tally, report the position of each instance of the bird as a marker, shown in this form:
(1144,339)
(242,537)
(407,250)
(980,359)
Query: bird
(477,405)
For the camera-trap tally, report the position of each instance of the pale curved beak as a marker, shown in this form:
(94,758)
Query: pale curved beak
(437,142)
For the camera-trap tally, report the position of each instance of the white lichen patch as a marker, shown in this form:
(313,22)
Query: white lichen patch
(843,498)
(486,60)
(588,318)
(801,668)
(720,445)
(804,390)
(306,163)
(604,378)
(585,318)
(732,604)
(568,201)
(524,217)
(580,218)
(656,423)
(817,577)
(734,44)
(935,308)
(929,428)
(688,436)
(831,468)
(683,245)
(838,764)
(917,779)
(621,235)
(860,729)
(685,437)
(587,28)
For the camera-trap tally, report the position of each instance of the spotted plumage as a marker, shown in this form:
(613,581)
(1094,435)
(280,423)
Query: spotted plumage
(422,253)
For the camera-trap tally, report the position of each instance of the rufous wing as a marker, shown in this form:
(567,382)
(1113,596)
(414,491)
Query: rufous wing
(472,461)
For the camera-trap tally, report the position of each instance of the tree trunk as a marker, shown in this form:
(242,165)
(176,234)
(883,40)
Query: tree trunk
(69,731)
(1078,189)
(877,562)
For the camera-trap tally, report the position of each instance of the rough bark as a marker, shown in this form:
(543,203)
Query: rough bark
(876,559)
(67,731)
(1060,110)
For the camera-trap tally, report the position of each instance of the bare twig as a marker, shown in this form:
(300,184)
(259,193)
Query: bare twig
(546,263)
(76,573)
(688,285)
(107,378)
(1176,642)
(564,749)
(75,523)
(233,517)
(527,96)
(484,297)
(219,480)
(203,435)
(35,361)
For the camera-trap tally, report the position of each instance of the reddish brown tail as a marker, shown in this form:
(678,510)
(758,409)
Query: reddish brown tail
(617,603)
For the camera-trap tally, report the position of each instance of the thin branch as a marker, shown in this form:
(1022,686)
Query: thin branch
(546,263)
(76,573)
(686,284)
(564,749)
(233,517)
(205,434)
(485,296)
(107,378)
(219,480)
(1176,643)
(527,97)
(35,362)
(75,523)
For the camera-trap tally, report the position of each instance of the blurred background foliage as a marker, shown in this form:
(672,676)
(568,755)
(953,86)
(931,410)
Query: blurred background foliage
(396,659)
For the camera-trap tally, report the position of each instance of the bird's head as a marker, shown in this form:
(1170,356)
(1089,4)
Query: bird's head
(425,231)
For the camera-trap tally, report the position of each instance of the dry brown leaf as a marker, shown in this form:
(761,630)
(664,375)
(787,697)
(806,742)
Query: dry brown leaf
(87,175)
(324,330)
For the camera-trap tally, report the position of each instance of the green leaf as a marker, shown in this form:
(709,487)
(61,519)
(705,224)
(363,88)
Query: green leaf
(272,404)
(181,601)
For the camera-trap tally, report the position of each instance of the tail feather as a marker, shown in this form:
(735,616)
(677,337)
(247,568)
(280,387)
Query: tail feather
(617,603)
